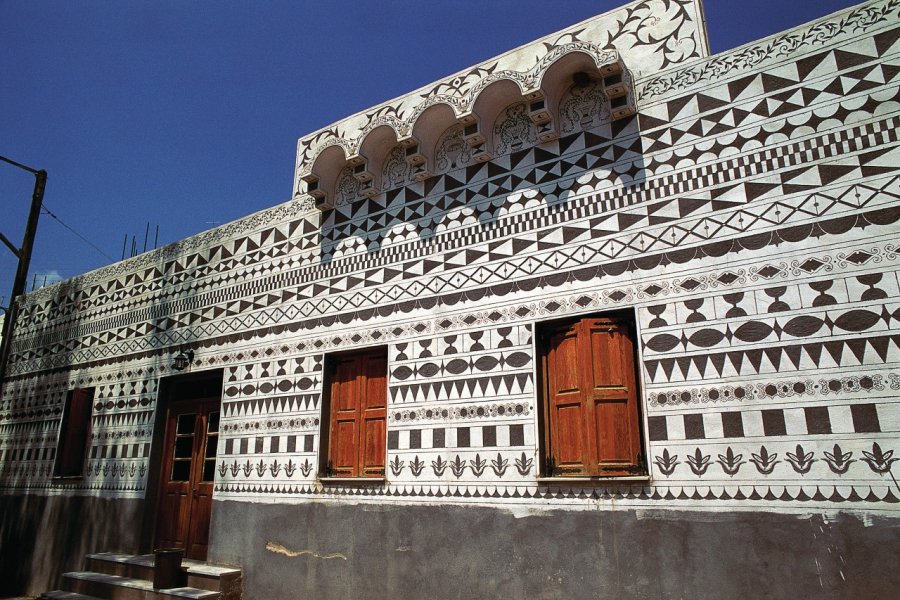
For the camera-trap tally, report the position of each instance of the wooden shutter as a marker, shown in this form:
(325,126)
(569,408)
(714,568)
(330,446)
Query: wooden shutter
(373,416)
(568,403)
(344,438)
(358,415)
(74,435)
(594,426)
(611,380)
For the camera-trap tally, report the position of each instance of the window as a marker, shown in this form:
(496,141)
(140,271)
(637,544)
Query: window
(73,433)
(591,419)
(354,420)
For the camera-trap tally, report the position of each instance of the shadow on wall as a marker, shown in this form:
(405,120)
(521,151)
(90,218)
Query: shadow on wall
(598,162)
(45,536)
(523,175)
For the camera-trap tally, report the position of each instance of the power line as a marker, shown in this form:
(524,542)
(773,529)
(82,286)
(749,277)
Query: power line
(84,239)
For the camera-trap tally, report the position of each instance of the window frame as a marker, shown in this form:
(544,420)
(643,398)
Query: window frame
(640,470)
(68,439)
(326,470)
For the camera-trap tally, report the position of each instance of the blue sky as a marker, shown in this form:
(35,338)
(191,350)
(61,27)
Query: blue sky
(186,114)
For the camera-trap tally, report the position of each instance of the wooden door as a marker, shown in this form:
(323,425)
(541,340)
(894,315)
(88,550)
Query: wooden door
(188,472)
(592,417)
(358,413)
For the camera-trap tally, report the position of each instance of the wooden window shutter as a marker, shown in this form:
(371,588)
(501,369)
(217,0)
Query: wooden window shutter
(74,434)
(592,399)
(373,416)
(356,445)
(344,438)
(568,403)
(610,377)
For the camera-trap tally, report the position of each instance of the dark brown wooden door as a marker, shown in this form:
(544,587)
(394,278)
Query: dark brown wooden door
(593,418)
(358,414)
(188,472)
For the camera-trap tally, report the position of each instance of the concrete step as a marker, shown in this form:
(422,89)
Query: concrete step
(117,587)
(195,573)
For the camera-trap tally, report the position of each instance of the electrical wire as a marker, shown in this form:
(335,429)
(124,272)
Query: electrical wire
(84,239)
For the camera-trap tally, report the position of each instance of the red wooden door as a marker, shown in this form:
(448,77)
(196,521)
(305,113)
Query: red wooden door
(189,466)
(592,406)
(358,414)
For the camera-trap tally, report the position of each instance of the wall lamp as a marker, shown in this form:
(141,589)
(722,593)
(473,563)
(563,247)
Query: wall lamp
(183,360)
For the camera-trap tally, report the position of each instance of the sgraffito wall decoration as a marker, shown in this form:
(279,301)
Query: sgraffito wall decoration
(747,215)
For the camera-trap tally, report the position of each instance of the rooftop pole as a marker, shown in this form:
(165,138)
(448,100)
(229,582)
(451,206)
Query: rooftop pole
(24,256)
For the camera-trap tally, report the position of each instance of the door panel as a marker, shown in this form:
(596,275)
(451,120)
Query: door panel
(203,479)
(192,435)
(176,485)
(373,448)
(612,433)
(343,460)
(570,450)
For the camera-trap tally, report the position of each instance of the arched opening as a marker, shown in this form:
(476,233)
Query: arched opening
(375,148)
(488,106)
(324,174)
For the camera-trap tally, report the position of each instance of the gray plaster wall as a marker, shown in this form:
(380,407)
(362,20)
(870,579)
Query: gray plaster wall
(42,537)
(325,550)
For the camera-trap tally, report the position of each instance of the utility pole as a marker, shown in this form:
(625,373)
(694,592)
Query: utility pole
(24,255)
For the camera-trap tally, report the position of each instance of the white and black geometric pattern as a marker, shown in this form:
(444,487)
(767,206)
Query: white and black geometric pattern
(748,215)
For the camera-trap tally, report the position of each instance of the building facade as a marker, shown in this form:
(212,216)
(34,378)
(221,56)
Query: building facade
(604,314)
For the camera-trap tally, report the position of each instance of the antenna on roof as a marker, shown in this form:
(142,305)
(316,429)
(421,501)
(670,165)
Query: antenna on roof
(134,246)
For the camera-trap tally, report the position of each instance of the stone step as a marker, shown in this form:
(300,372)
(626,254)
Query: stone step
(60,595)
(195,573)
(124,565)
(117,587)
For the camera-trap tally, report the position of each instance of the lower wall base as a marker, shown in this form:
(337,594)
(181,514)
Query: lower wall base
(366,551)
(42,537)
(380,551)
